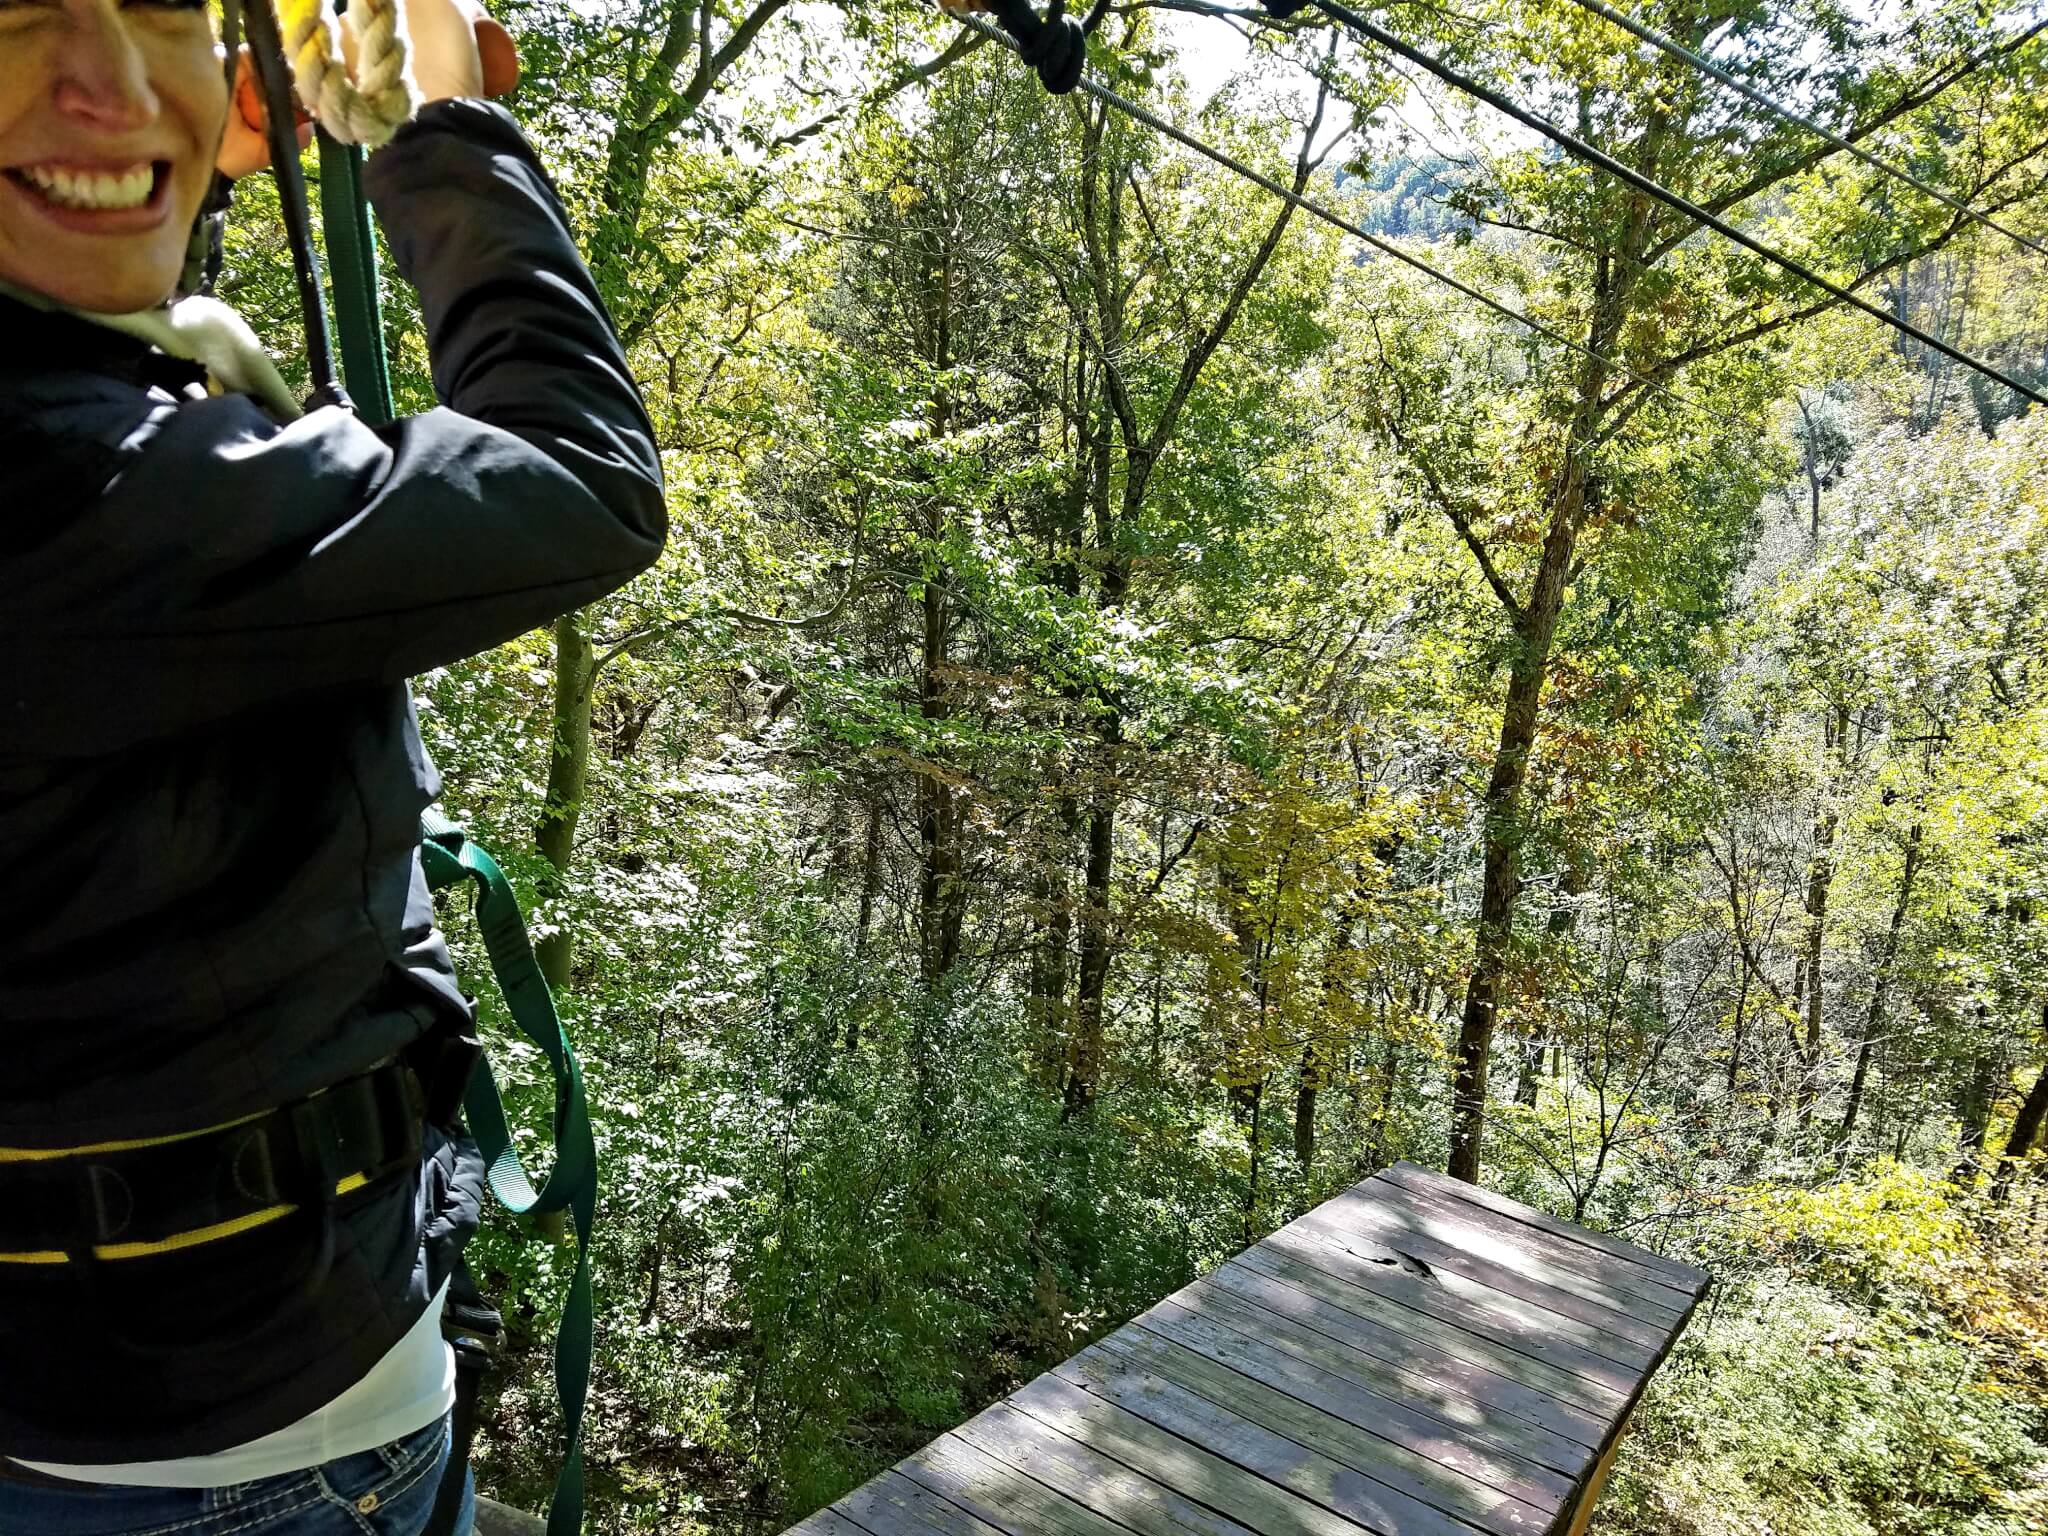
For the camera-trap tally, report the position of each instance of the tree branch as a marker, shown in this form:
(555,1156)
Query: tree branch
(1910,101)
(1656,374)
(894,86)
(638,640)
(1305,164)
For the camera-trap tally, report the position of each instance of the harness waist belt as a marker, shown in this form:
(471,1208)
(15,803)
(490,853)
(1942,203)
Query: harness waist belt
(131,1200)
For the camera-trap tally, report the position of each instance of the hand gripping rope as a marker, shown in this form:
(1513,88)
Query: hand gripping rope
(381,97)
(353,114)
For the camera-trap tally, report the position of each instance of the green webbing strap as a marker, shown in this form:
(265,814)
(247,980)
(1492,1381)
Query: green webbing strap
(571,1185)
(352,272)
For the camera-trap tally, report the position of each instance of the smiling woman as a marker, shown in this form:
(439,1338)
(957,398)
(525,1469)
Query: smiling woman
(111,119)
(233,1184)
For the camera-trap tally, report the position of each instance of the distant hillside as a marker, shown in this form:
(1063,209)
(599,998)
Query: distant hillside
(1407,196)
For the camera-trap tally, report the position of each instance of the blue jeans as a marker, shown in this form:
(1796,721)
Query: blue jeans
(385,1492)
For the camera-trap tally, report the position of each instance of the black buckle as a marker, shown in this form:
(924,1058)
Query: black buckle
(250,1167)
(474,1328)
(369,1125)
(476,1335)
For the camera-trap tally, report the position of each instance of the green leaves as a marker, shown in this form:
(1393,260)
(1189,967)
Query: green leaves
(945,641)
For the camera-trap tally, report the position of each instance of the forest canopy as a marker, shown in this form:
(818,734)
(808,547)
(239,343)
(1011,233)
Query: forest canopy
(1156,708)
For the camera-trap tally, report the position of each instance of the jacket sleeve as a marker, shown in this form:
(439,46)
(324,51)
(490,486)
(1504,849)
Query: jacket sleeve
(209,560)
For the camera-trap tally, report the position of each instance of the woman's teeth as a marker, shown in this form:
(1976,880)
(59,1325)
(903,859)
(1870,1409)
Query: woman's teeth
(93,189)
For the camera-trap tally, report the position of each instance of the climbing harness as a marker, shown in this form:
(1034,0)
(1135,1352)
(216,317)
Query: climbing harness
(116,1201)
(350,115)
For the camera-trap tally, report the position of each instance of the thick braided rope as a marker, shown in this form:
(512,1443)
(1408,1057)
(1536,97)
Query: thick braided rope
(381,97)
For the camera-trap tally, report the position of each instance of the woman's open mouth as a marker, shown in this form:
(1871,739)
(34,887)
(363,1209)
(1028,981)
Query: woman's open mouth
(110,199)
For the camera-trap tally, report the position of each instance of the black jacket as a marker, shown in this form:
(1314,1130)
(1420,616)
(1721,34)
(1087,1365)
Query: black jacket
(211,777)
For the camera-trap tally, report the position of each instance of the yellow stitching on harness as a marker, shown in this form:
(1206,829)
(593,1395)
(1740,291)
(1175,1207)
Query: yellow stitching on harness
(51,1154)
(195,1237)
(178,1240)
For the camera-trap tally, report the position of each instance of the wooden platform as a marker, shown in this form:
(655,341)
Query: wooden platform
(1416,1357)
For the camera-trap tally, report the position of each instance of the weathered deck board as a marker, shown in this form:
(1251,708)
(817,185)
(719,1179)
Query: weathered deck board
(1617,1283)
(1451,1250)
(1550,1365)
(1685,1276)
(1368,1235)
(1415,1357)
(1084,1473)
(1410,1473)
(1426,1377)
(1513,1456)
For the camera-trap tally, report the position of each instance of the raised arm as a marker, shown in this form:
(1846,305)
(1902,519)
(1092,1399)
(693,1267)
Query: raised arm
(175,564)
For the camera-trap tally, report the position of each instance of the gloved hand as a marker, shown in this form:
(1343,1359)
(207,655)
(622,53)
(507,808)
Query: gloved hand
(447,58)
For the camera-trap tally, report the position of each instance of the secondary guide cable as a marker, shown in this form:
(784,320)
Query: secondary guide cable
(1709,68)
(1579,149)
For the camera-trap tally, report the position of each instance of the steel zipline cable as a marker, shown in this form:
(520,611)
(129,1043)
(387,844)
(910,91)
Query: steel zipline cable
(1157,124)
(1579,149)
(1713,71)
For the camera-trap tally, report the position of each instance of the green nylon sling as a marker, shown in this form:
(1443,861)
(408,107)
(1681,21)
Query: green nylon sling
(571,1185)
(450,859)
(352,263)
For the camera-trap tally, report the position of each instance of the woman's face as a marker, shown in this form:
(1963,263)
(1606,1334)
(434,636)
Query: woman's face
(110,118)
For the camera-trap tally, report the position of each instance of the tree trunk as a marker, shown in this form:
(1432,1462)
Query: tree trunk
(941,899)
(1254,1132)
(568,778)
(655,100)
(1741,1024)
(1820,876)
(1051,1015)
(870,890)
(1051,957)
(939,908)
(1563,920)
(1085,1049)
(1535,627)
(1811,458)
(1794,1054)
(1501,829)
(2026,1126)
(1390,1065)
(1973,1112)
(1307,1084)
(1880,995)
